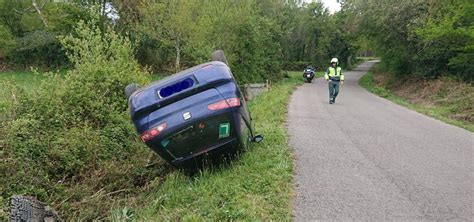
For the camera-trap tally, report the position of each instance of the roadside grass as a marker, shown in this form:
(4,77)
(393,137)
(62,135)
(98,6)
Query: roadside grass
(258,185)
(438,111)
(299,75)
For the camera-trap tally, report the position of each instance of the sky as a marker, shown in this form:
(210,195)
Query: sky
(333,5)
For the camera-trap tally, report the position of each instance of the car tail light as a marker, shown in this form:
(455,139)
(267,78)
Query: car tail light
(151,133)
(223,104)
(206,66)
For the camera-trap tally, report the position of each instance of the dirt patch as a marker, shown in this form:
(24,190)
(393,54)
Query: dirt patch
(454,98)
(381,78)
(4,66)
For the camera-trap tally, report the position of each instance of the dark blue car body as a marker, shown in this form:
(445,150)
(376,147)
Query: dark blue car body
(193,115)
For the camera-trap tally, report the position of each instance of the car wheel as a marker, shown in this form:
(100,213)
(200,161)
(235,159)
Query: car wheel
(219,56)
(130,89)
(25,208)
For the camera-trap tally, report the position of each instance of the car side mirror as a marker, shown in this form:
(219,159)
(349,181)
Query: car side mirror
(258,138)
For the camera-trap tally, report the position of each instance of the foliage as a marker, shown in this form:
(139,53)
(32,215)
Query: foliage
(7,43)
(32,37)
(188,33)
(448,39)
(169,23)
(316,36)
(71,143)
(259,37)
(422,38)
(38,47)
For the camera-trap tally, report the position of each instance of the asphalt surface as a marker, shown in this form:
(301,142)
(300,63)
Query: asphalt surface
(365,158)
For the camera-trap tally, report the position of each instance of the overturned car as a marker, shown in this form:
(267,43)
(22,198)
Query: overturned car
(193,116)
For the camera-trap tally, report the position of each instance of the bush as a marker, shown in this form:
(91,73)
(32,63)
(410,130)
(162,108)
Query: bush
(39,48)
(296,66)
(71,143)
(450,36)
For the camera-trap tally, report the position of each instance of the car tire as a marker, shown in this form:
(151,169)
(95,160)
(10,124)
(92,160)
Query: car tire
(130,89)
(25,208)
(219,56)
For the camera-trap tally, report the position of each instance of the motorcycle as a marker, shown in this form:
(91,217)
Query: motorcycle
(308,74)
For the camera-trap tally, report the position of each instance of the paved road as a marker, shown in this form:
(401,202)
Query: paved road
(365,158)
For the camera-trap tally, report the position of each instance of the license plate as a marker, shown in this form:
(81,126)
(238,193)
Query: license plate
(308,75)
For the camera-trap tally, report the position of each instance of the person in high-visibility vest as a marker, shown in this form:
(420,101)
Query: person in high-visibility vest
(334,76)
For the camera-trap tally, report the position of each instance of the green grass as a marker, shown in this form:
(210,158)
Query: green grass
(256,186)
(9,80)
(23,79)
(361,58)
(27,80)
(438,112)
(299,75)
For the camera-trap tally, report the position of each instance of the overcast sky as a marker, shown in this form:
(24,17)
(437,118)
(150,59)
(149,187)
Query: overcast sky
(331,4)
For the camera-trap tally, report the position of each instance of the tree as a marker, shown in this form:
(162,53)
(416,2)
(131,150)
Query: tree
(7,43)
(422,37)
(447,41)
(170,23)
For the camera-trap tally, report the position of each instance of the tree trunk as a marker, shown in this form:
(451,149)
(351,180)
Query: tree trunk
(104,8)
(178,56)
(38,9)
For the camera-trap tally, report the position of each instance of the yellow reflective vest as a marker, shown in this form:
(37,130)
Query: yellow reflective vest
(334,74)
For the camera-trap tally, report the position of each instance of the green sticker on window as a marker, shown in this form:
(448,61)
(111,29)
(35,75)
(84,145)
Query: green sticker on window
(224,130)
(165,142)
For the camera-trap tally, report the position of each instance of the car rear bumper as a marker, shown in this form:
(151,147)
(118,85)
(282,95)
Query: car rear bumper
(229,148)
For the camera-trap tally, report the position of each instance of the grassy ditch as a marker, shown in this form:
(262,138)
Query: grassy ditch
(444,99)
(257,185)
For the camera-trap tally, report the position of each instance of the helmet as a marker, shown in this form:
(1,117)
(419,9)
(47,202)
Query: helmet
(335,60)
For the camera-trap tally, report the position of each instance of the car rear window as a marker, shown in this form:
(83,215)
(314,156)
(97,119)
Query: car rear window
(176,87)
(199,136)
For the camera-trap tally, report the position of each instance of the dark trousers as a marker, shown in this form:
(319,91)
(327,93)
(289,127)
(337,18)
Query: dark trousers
(333,89)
